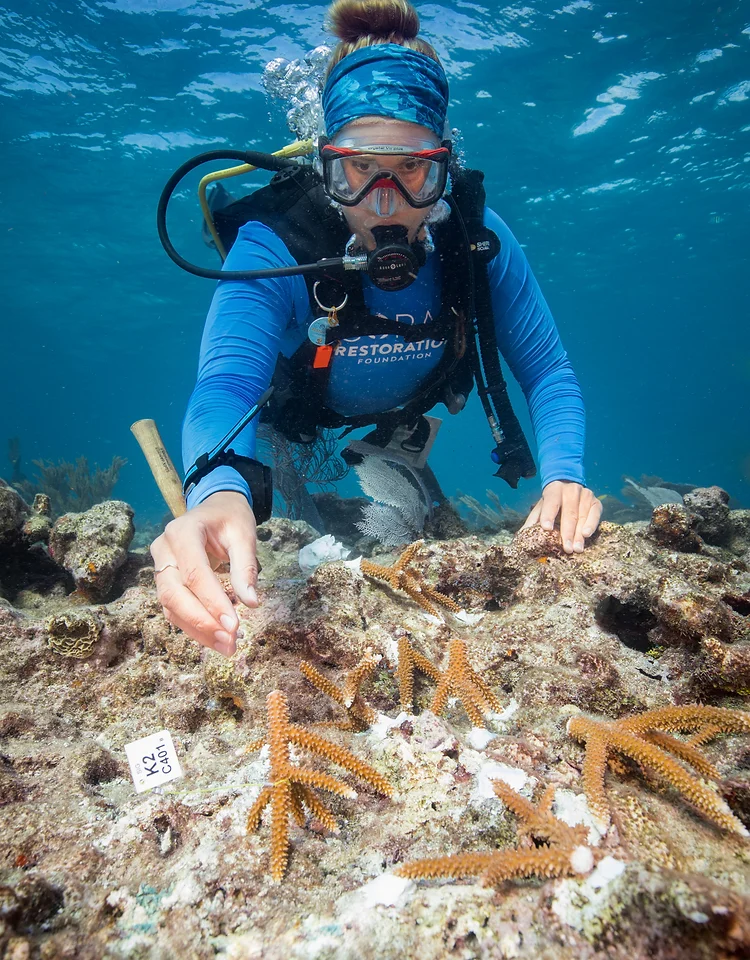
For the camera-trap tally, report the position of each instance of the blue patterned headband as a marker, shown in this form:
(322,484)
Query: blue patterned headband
(386,80)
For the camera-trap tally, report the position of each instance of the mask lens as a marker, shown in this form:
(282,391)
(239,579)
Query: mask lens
(351,174)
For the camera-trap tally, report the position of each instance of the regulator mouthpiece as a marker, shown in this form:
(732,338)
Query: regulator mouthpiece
(394,263)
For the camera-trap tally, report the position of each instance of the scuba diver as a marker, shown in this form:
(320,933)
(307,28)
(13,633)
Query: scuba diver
(420,289)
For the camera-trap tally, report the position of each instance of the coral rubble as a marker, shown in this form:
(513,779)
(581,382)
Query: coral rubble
(92,546)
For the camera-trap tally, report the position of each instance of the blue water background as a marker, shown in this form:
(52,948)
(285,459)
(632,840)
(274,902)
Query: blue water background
(615,137)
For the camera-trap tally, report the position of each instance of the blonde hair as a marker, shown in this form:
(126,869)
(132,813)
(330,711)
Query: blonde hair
(364,23)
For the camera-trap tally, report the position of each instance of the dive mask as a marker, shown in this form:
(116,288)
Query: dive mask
(352,171)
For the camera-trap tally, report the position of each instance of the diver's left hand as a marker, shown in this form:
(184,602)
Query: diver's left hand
(579,510)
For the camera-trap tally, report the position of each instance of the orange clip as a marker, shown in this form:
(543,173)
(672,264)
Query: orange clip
(322,358)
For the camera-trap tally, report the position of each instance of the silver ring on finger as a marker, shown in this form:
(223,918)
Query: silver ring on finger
(165,567)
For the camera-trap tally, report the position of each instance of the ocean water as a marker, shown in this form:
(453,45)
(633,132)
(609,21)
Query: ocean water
(616,141)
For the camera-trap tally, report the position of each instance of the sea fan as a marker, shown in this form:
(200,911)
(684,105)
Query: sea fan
(386,524)
(654,496)
(398,514)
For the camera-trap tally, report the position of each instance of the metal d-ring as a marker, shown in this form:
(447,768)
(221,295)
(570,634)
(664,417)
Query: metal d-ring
(322,305)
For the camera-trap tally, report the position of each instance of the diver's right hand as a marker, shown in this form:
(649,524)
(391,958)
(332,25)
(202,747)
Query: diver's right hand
(223,526)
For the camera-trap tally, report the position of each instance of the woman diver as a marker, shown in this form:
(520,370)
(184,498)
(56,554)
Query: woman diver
(385,184)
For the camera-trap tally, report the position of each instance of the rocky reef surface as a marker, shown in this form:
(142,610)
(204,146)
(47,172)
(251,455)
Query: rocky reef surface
(652,614)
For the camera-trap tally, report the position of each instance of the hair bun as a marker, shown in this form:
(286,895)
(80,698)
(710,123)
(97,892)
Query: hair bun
(352,20)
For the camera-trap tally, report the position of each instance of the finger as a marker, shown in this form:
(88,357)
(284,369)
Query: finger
(178,602)
(571,499)
(589,513)
(185,611)
(584,508)
(160,552)
(243,564)
(197,575)
(551,501)
(583,512)
(225,649)
(533,517)
(162,556)
(594,517)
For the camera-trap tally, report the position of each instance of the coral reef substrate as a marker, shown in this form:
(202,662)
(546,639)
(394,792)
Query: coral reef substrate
(654,615)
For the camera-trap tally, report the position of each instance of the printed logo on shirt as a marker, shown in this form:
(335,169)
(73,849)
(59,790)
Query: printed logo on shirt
(388,352)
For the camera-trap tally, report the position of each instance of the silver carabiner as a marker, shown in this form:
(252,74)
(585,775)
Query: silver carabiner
(322,305)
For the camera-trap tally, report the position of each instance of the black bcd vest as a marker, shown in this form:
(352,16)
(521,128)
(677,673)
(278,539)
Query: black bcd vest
(295,207)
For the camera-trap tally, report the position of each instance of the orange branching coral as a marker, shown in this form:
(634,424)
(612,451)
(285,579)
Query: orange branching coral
(646,739)
(553,849)
(409,661)
(459,680)
(360,715)
(290,789)
(401,576)
(691,718)
(703,736)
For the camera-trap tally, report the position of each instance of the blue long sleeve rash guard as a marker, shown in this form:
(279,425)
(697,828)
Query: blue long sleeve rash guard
(251,322)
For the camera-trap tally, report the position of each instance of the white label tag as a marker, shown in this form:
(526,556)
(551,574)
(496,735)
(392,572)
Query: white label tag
(153,761)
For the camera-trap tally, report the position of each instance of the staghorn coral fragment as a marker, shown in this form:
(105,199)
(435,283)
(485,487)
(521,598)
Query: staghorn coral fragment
(316,807)
(409,661)
(643,738)
(324,748)
(691,718)
(685,751)
(459,680)
(455,866)
(290,788)
(360,715)
(400,576)
(565,853)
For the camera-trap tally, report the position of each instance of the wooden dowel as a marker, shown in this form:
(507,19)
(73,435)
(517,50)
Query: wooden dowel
(167,479)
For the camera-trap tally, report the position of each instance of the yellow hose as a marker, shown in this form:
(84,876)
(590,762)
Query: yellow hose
(299,148)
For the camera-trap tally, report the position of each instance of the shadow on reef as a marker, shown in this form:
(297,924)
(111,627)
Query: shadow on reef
(521,650)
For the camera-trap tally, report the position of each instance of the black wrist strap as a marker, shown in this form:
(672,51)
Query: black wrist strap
(256,475)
